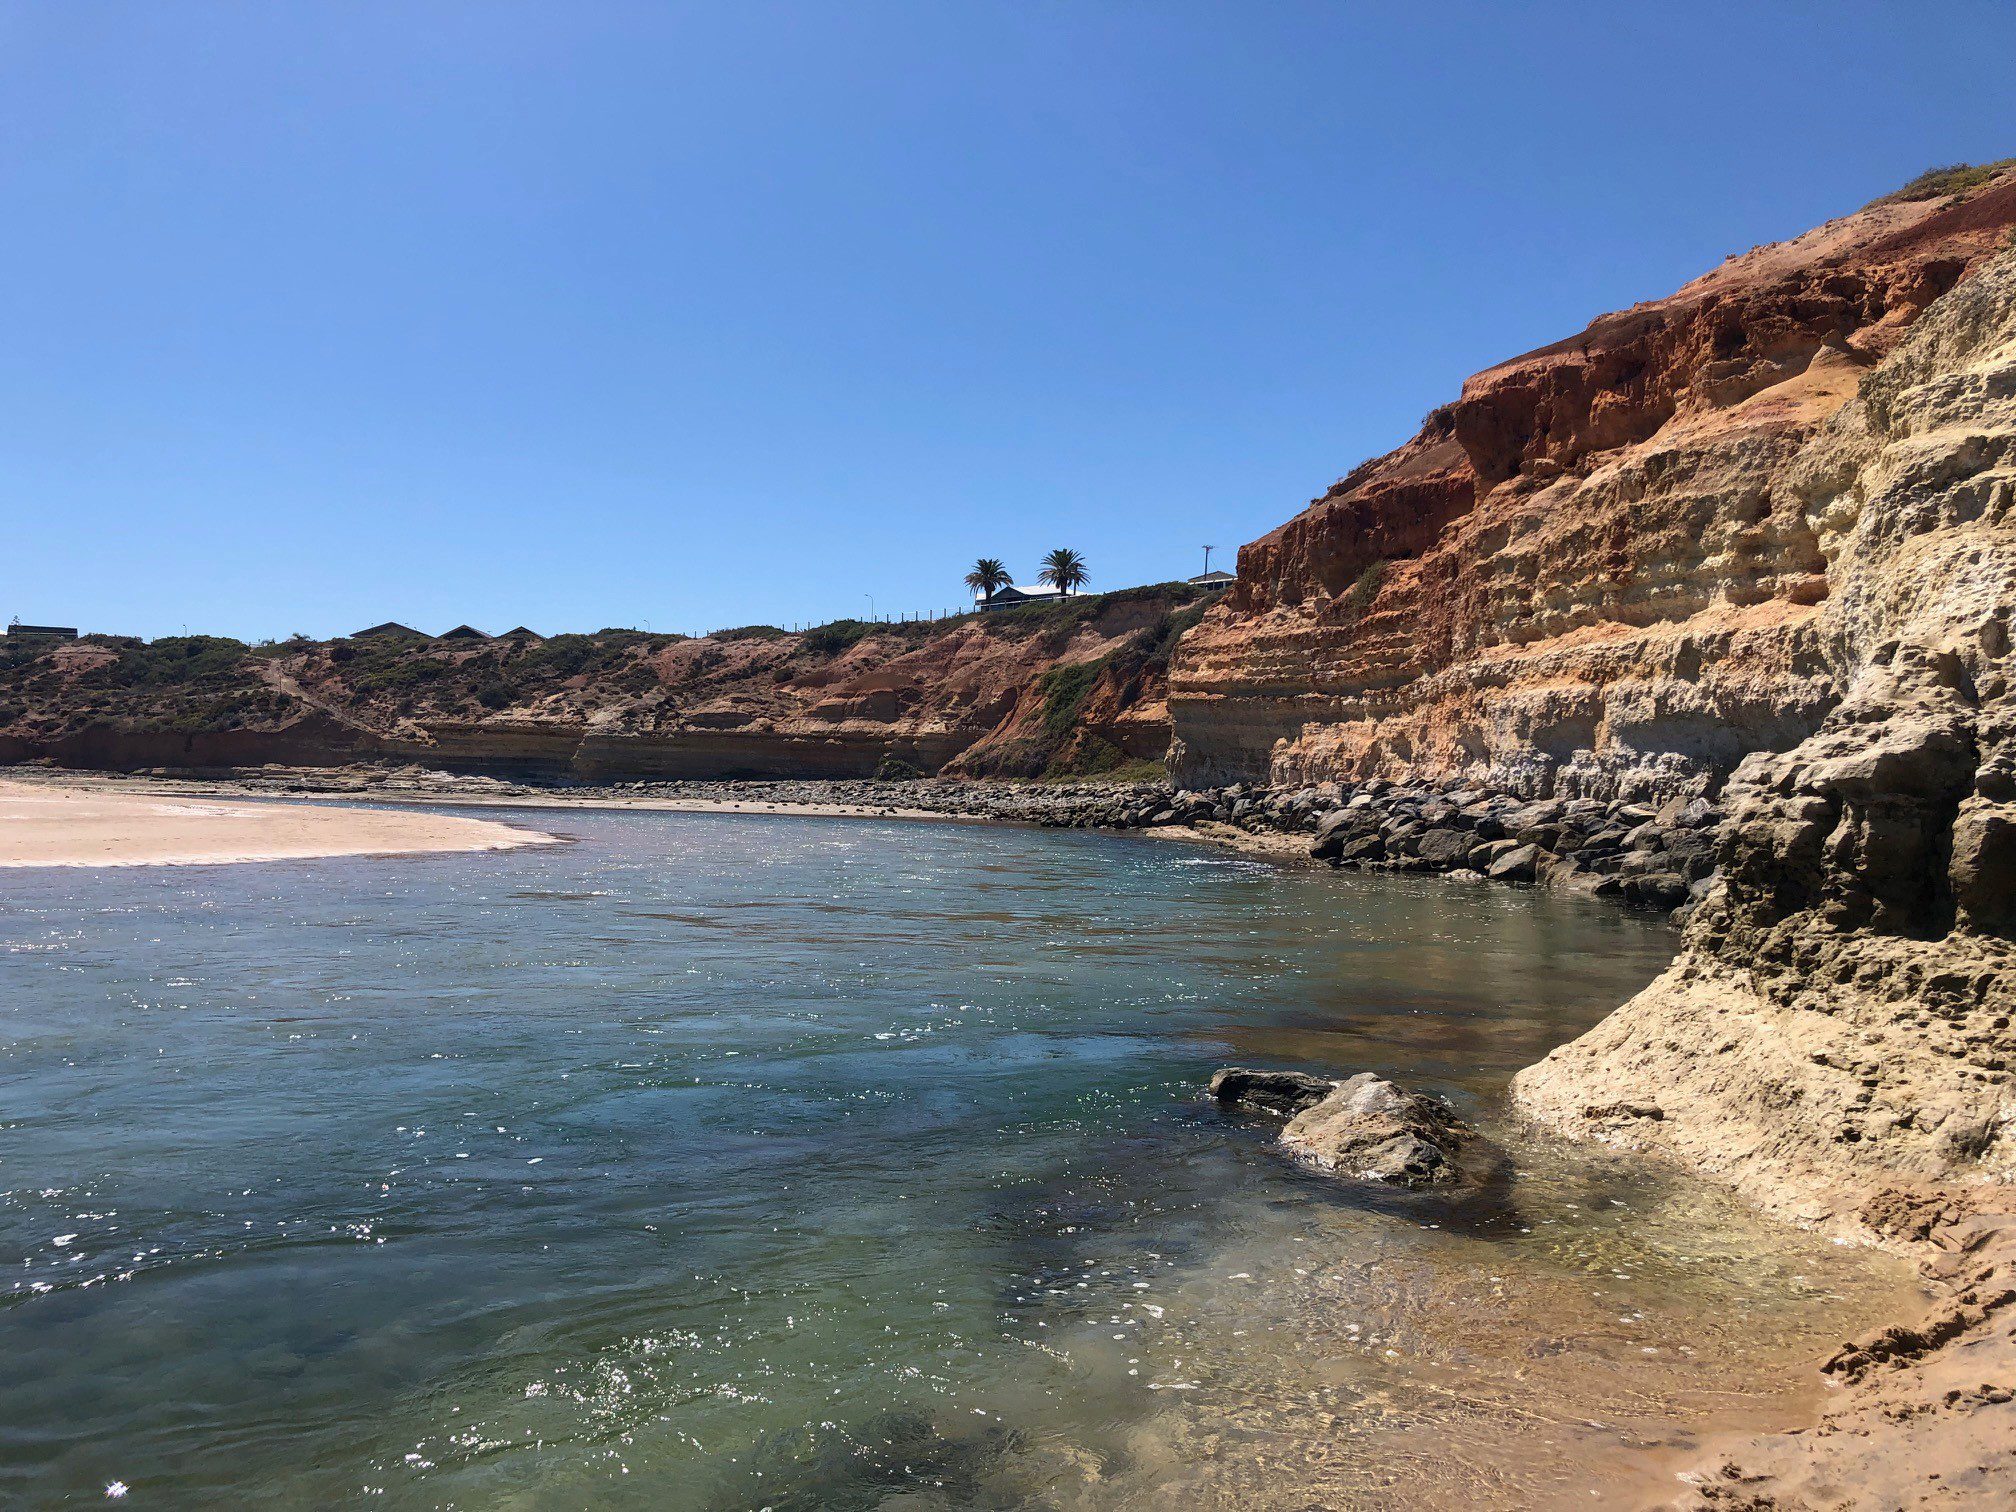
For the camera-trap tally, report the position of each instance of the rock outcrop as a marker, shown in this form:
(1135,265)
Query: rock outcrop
(1587,576)
(1755,543)
(1835,1037)
(1362,1128)
(1840,1017)
(1281,1094)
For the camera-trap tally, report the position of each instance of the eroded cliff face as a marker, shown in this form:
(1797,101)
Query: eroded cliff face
(1063,689)
(1838,1024)
(1591,574)
(1835,1037)
(1758,540)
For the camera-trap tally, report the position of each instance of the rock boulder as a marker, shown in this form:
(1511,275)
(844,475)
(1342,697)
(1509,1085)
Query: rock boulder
(1280,1093)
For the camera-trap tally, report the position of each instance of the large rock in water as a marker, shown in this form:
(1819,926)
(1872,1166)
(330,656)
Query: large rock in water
(1372,1130)
(1362,1127)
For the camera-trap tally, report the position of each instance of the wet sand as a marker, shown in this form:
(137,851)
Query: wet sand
(46,824)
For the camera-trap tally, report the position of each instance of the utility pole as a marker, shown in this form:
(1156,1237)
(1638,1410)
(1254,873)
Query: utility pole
(1207,557)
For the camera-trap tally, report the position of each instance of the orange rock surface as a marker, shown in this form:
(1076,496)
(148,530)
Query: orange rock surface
(1591,572)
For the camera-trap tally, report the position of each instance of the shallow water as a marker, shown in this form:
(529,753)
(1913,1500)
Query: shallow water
(721,1162)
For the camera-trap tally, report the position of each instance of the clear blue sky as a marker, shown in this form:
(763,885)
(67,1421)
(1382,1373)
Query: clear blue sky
(584,313)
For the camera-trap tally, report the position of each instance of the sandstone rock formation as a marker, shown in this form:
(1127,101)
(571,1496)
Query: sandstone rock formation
(1755,542)
(1835,1037)
(1839,1019)
(1586,576)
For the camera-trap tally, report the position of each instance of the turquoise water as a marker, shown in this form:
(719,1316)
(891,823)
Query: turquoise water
(720,1161)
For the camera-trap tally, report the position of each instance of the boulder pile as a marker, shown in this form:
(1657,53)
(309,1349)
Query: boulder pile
(1657,856)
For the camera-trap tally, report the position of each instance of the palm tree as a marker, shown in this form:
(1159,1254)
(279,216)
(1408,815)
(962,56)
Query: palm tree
(988,578)
(1064,570)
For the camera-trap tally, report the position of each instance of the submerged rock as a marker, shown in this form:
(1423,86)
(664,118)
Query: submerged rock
(1281,1093)
(1363,1127)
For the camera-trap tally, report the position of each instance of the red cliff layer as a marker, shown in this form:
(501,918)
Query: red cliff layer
(1588,573)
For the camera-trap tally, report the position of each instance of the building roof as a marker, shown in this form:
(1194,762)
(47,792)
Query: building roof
(1011,593)
(68,632)
(463,632)
(1214,578)
(390,627)
(520,632)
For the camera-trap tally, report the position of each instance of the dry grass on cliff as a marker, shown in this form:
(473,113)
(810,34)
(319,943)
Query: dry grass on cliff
(1953,178)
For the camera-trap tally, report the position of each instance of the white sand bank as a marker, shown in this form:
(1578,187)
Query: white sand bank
(49,825)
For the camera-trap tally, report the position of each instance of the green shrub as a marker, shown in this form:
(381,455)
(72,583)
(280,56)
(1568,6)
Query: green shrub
(638,677)
(1064,692)
(1953,178)
(174,661)
(1088,755)
(1160,645)
(1359,596)
(831,639)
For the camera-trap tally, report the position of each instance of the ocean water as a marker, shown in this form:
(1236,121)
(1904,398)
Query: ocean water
(721,1162)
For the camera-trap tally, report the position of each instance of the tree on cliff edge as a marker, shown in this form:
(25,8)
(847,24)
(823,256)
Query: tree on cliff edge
(1064,570)
(988,578)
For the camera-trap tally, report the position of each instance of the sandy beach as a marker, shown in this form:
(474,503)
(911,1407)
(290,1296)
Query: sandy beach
(44,824)
(1285,848)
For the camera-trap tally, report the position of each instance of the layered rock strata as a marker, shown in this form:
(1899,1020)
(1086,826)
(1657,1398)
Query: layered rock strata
(1754,543)
(1590,575)
(1835,1037)
(1840,1017)
(1069,688)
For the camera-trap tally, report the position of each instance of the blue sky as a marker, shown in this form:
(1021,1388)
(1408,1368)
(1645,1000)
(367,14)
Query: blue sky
(585,314)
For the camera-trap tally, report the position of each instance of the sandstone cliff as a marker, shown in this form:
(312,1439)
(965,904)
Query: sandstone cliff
(1757,540)
(1835,1037)
(1840,1018)
(1585,576)
(1059,689)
